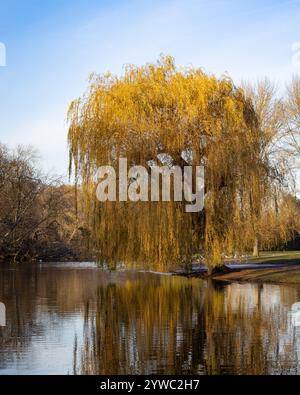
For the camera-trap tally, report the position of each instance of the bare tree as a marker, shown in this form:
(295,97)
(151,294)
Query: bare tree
(36,210)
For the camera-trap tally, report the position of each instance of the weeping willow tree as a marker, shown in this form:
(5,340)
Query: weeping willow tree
(155,110)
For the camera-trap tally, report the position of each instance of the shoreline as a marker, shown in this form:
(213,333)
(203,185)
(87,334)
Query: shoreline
(288,273)
(274,268)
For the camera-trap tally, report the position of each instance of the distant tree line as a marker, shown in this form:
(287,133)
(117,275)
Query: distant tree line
(38,216)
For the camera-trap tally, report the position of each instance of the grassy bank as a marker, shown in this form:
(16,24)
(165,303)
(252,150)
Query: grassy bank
(277,257)
(285,269)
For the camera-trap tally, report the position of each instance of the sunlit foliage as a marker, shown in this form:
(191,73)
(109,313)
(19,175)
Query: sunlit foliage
(161,109)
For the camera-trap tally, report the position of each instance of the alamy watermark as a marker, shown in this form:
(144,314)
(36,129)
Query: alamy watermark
(2,55)
(2,314)
(141,184)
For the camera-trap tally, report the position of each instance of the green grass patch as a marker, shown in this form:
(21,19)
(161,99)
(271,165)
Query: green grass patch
(277,257)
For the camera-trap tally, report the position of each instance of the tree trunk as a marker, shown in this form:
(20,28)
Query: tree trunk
(255,247)
(219,269)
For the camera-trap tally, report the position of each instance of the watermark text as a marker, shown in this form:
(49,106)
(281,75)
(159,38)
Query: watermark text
(141,184)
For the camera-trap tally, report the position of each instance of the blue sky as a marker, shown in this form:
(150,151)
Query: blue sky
(52,47)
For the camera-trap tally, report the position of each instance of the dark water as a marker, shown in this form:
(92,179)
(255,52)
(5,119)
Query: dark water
(78,319)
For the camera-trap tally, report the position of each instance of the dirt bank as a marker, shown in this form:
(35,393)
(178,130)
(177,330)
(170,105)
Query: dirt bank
(272,267)
(279,275)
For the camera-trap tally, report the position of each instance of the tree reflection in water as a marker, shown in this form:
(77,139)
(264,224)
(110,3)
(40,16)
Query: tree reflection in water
(122,323)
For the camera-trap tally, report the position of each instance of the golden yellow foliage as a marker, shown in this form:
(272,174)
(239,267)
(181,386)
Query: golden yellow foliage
(155,109)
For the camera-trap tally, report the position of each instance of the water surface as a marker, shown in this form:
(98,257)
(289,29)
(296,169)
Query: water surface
(78,319)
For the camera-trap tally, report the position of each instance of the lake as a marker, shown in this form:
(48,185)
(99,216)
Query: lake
(74,318)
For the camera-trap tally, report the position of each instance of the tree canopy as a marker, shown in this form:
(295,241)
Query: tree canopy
(159,109)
